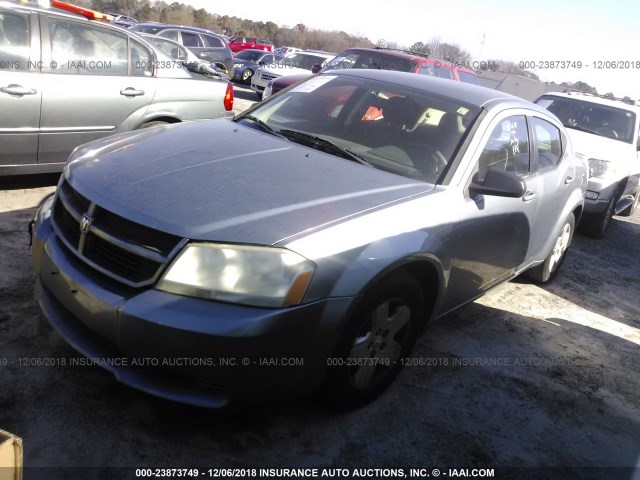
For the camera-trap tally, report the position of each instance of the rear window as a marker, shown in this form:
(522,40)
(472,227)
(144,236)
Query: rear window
(190,39)
(213,42)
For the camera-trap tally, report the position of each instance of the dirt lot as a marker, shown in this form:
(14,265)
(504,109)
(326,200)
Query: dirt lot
(524,377)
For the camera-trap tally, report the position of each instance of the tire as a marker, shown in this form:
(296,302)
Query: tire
(246,76)
(596,226)
(152,124)
(631,209)
(381,331)
(259,95)
(545,272)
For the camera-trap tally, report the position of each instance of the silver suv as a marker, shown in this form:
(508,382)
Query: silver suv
(67,79)
(605,131)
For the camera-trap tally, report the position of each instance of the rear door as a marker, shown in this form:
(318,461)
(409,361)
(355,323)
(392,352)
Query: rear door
(98,82)
(550,186)
(20,87)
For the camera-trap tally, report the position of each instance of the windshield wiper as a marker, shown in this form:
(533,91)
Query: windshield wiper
(262,125)
(322,144)
(582,129)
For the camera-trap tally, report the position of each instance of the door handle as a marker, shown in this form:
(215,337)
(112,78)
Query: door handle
(18,90)
(568,180)
(529,195)
(131,92)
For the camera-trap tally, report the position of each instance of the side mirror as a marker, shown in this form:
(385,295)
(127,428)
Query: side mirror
(499,183)
(316,68)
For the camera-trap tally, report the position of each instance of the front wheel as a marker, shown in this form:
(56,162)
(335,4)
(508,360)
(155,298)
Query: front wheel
(631,209)
(544,272)
(246,75)
(379,334)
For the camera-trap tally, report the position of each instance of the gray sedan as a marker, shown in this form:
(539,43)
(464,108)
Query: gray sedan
(303,246)
(66,80)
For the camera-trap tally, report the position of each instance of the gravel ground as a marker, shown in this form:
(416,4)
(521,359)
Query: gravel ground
(524,377)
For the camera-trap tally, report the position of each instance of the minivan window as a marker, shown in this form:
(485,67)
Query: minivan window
(14,41)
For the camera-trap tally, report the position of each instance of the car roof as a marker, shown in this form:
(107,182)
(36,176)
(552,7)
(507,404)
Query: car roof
(611,102)
(390,52)
(464,92)
(168,26)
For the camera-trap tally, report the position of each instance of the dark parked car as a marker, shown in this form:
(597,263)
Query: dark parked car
(382,59)
(205,44)
(246,62)
(303,245)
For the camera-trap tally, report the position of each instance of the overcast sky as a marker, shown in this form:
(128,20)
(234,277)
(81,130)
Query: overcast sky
(581,30)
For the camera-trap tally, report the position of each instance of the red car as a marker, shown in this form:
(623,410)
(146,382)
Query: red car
(238,43)
(383,59)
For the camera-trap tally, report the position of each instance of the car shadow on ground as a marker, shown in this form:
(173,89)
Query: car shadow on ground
(29,181)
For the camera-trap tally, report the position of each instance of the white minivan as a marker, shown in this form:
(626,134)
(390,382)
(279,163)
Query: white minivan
(605,130)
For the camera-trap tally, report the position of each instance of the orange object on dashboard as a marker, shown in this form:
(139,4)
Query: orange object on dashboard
(85,12)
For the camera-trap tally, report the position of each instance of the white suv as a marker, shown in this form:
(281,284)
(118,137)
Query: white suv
(605,131)
(300,62)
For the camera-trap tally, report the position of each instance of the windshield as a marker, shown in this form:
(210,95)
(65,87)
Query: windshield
(300,60)
(413,133)
(251,55)
(364,59)
(590,117)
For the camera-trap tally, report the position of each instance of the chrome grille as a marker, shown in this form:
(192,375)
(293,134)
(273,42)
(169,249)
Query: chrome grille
(268,76)
(124,250)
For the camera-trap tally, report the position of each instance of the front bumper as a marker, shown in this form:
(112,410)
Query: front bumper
(605,190)
(184,349)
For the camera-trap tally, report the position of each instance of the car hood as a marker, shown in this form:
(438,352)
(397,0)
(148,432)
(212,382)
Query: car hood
(221,181)
(595,146)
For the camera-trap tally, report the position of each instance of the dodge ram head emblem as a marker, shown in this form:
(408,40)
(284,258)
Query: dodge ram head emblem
(85,223)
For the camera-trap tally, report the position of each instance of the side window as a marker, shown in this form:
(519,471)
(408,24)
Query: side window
(141,60)
(549,143)
(212,41)
(170,34)
(467,77)
(428,69)
(507,148)
(87,49)
(444,72)
(190,39)
(14,41)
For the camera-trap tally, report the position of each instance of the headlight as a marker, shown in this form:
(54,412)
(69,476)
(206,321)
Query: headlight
(267,91)
(237,65)
(597,168)
(250,275)
(44,211)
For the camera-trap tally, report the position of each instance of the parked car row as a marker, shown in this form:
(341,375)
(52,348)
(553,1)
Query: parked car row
(380,59)
(305,62)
